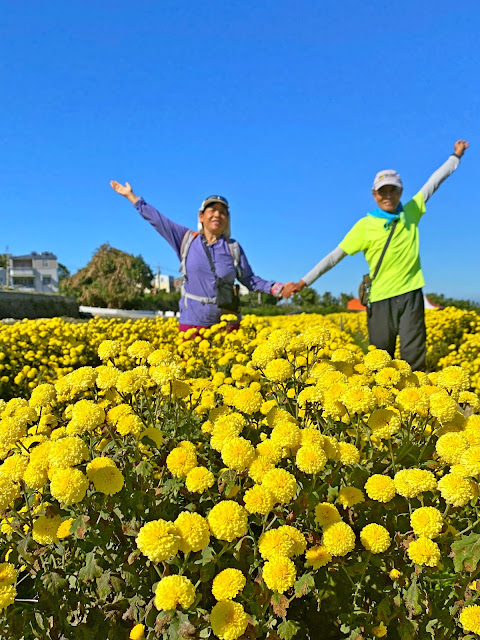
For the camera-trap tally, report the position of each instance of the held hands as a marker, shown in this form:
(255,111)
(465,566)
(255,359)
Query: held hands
(292,287)
(125,191)
(460,147)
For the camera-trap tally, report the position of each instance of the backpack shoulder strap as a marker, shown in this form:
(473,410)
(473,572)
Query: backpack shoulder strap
(234,249)
(379,263)
(187,240)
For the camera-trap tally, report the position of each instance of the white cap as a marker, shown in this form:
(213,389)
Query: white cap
(387,176)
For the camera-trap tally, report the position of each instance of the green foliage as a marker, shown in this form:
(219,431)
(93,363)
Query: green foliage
(444,301)
(111,279)
(306,297)
(63,272)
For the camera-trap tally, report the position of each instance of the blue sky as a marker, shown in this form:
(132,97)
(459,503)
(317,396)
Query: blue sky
(286,108)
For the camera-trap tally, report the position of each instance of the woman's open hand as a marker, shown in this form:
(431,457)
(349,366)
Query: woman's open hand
(125,191)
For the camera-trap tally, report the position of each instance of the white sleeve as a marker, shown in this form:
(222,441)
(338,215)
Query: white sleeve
(439,176)
(324,265)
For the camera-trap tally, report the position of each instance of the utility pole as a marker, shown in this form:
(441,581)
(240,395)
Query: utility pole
(157,283)
(7,267)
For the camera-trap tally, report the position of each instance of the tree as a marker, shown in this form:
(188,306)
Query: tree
(257,299)
(328,300)
(111,279)
(467,305)
(63,272)
(345,299)
(3,260)
(306,297)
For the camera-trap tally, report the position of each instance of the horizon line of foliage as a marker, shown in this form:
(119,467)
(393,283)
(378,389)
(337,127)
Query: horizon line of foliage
(116,279)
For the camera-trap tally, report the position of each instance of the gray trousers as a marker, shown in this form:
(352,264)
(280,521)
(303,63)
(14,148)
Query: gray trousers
(404,316)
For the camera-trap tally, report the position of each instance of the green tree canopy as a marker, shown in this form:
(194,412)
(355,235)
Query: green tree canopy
(63,272)
(111,279)
(306,297)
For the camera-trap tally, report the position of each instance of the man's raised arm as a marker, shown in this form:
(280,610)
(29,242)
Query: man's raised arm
(445,170)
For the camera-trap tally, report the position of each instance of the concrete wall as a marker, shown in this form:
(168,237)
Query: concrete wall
(19,304)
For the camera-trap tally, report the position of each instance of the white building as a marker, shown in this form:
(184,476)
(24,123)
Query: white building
(33,272)
(163,282)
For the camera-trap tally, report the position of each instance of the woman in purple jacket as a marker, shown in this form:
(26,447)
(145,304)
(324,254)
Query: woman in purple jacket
(198,307)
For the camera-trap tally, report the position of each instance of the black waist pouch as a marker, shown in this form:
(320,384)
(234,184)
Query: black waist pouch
(227,295)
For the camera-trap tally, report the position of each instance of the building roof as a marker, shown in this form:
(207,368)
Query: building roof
(355,305)
(44,255)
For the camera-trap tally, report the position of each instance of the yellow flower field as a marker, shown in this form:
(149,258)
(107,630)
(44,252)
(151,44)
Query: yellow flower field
(272,482)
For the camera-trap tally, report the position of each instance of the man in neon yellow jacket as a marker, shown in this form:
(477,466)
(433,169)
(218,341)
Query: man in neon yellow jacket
(396,299)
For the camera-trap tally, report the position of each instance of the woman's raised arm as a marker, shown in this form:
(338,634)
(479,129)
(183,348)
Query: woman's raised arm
(171,231)
(125,191)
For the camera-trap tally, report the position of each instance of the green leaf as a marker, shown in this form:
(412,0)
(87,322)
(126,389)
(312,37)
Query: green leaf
(144,468)
(205,633)
(91,569)
(39,620)
(53,582)
(304,585)
(407,629)
(103,585)
(384,610)
(173,629)
(431,627)
(207,556)
(466,553)
(287,629)
(207,571)
(412,597)
(131,578)
(117,584)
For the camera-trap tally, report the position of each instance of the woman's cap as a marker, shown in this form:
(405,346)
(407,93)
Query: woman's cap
(387,176)
(212,199)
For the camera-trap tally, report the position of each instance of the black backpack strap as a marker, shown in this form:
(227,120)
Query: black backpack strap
(379,263)
(209,256)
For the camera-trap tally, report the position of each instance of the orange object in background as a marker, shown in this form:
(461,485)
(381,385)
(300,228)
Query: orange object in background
(355,305)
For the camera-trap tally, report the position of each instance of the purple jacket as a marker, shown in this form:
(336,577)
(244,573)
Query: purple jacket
(200,280)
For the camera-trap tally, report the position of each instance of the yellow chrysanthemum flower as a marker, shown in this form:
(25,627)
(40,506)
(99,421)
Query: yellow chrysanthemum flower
(193,531)
(426,521)
(238,453)
(456,490)
(282,484)
(229,620)
(69,486)
(228,584)
(138,632)
(45,529)
(158,540)
(259,499)
(424,551)
(451,446)
(380,488)
(349,496)
(375,538)
(412,482)
(279,574)
(349,454)
(339,538)
(311,459)
(278,370)
(182,459)
(199,480)
(317,557)
(470,618)
(8,573)
(326,514)
(174,591)
(228,520)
